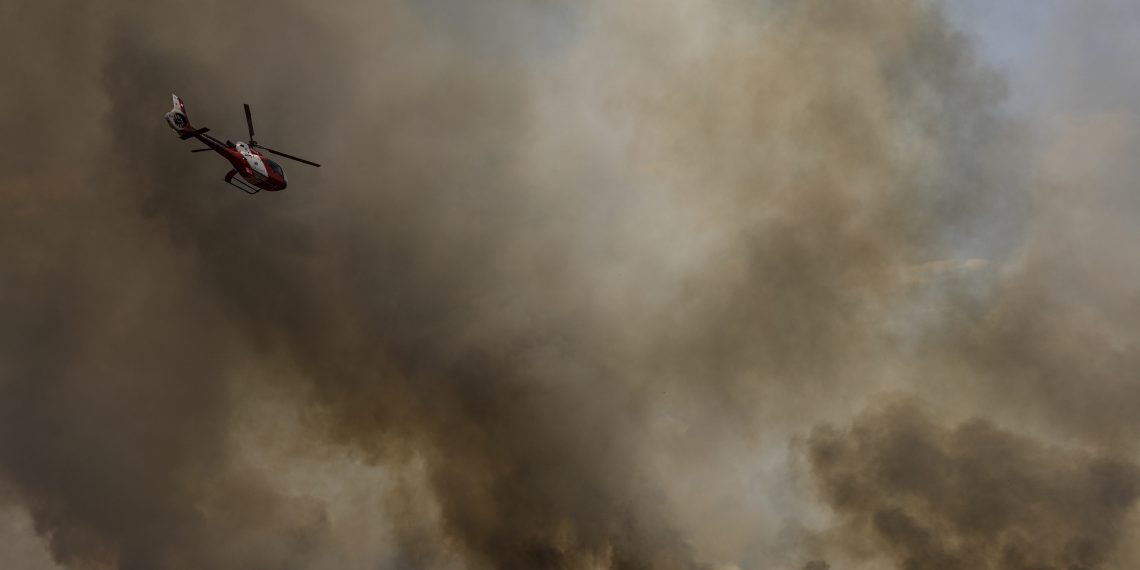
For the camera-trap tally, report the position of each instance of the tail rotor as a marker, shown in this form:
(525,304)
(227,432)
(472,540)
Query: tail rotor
(178,120)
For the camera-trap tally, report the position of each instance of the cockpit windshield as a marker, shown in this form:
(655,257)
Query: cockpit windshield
(276,168)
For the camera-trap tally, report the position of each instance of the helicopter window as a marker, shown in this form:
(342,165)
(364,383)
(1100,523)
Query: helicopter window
(276,168)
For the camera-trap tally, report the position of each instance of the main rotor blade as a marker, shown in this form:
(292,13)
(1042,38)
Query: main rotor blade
(202,150)
(289,156)
(249,120)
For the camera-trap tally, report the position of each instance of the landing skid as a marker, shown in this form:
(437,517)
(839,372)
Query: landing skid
(241,184)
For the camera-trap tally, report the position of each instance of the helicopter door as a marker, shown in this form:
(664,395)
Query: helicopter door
(252,159)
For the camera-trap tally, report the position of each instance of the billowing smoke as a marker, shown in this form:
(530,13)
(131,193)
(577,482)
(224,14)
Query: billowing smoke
(972,496)
(580,285)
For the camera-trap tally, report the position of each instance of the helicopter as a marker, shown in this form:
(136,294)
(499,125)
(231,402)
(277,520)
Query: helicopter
(257,172)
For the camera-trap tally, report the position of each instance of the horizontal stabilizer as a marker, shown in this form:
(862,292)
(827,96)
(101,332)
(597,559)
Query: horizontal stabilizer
(192,134)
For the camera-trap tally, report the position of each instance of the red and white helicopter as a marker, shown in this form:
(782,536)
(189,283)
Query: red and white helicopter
(257,171)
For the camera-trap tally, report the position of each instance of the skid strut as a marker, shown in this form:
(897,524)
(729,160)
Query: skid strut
(240,184)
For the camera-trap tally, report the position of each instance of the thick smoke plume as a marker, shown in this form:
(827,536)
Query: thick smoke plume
(580,285)
(973,496)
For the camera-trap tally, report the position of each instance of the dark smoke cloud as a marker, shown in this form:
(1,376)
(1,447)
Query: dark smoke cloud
(564,266)
(971,496)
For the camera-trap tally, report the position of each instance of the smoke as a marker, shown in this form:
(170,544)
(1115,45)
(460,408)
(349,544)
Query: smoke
(573,284)
(970,496)
(1043,350)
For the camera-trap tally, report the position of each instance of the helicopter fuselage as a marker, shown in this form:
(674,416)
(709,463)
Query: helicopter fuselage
(254,167)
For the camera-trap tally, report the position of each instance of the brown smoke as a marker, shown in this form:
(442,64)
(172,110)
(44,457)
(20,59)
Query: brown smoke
(569,270)
(972,496)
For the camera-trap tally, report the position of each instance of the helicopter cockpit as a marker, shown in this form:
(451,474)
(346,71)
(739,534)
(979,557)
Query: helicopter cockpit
(276,168)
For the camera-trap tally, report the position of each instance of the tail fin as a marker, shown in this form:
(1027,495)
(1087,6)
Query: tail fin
(177,117)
